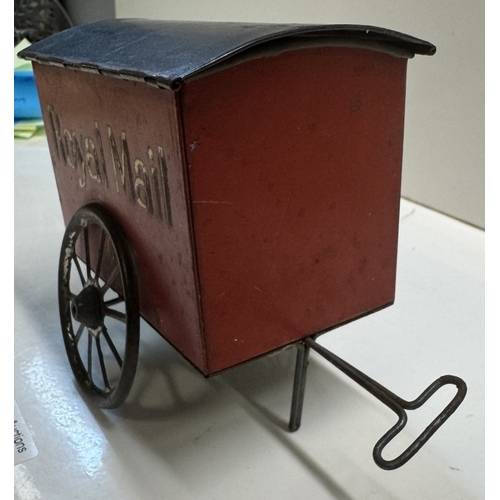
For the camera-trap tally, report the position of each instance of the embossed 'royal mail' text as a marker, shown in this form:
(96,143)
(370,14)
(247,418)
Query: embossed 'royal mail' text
(144,181)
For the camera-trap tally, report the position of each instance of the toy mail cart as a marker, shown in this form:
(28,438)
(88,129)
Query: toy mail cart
(235,185)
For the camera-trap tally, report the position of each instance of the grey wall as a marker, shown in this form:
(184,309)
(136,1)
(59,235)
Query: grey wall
(86,11)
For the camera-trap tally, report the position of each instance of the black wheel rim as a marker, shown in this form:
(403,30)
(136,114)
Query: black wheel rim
(99,308)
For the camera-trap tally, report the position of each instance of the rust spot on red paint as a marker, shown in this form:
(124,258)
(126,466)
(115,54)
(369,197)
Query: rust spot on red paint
(356,104)
(362,266)
(328,253)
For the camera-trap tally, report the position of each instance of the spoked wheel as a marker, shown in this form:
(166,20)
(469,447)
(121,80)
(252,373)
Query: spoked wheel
(99,306)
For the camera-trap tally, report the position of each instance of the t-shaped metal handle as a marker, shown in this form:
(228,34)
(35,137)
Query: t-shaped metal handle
(394,402)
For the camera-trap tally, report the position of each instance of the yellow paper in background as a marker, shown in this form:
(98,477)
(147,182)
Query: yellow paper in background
(21,64)
(25,129)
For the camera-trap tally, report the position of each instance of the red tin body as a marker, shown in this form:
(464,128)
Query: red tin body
(261,200)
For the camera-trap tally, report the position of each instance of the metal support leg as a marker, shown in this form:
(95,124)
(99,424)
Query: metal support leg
(299,386)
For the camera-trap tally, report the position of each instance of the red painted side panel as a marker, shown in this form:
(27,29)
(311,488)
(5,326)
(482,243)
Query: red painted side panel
(294,169)
(262,210)
(116,142)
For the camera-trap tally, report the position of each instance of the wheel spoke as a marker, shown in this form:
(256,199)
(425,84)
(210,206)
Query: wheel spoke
(112,346)
(79,332)
(79,269)
(106,285)
(112,313)
(112,302)
(89,358)
(87,249)
(101,362)
(101,255)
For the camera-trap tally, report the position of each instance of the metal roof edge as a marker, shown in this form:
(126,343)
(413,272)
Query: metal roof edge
(165,53)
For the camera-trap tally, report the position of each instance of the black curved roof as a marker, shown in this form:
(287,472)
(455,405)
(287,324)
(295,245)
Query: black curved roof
(171,51)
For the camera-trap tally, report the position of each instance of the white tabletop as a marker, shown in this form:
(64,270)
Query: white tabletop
(181,436)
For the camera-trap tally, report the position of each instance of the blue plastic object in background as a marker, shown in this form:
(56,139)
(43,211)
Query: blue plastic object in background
(26,102)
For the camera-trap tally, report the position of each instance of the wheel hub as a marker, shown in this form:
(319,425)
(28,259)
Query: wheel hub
(86,307)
